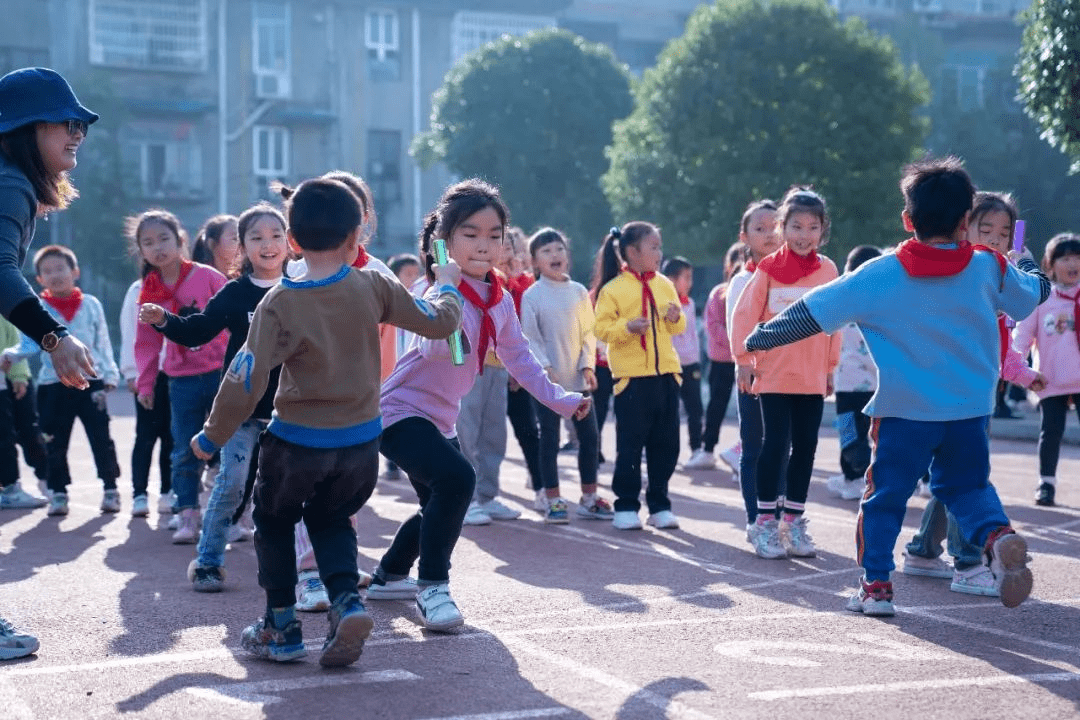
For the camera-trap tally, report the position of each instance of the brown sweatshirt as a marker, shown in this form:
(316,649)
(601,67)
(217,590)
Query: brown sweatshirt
(325,335)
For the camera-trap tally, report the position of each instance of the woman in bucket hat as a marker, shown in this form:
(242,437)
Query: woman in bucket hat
(42,125)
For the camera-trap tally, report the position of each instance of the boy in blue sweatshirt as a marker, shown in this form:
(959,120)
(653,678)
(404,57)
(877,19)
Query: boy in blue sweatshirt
(929,315)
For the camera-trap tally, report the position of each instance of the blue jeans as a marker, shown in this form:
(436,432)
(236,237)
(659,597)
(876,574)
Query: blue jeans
(190,400)
(228,491)
(938,524)
(958,454)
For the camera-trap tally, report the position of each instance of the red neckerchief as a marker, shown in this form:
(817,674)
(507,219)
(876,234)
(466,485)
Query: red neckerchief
(154,290)
(1076,310)
(787,267)
(361,258)
(684,300)
(922,260)
(750,266)
(487,324)
(517,287)
(1006,338)
(66,306)
(648,301)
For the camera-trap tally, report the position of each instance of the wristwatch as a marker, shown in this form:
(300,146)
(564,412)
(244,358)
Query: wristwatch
(51,341)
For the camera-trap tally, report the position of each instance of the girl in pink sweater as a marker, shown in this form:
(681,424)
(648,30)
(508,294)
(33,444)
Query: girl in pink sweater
(792,380)
(1053,330)
(181,287)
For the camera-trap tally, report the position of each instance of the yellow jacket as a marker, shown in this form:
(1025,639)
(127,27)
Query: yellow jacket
(619,303)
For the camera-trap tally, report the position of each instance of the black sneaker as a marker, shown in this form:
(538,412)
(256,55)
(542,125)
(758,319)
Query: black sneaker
(1045,495)
(265,641)
(206,579)
(350,626)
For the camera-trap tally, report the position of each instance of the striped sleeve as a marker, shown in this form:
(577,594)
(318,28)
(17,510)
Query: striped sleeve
(792,325)
(1028,265)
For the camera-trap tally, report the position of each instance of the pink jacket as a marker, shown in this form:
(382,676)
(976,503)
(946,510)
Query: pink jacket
(1051,329)
(198,287)
(425,384)
(716,331)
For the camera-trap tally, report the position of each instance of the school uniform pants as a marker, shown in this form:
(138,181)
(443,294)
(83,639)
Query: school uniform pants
(602,400)
(59,406)
(27,429)
(1054,411)
(324,488)
(690,392)
(721,381)
(958,454)
(151,427)
(521,409)
(481,430)
(646,416)
(588,452)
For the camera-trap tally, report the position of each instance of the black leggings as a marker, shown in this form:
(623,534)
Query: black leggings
(605,385)
(28,431)
(588,455)
(795,419)
(721,381)
(1054,411)
(152,426)
(521,409)
(444,482)
(690,393)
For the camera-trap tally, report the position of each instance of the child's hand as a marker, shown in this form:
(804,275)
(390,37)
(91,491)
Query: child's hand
(673,312)
(132,386)
(590,379)
(448,274)
(18,387)
(1038,384)
(196,448)
(146,400)
(638,326)
(151,314)
(583,408)
(98,396)
(514,385)
(745,378)
(7,359)
(1024,252)
(829,385)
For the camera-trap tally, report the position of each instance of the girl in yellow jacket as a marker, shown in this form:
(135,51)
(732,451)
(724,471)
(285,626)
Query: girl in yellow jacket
(792,381)
(637,313)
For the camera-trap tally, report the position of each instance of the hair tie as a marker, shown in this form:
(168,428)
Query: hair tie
(615,232)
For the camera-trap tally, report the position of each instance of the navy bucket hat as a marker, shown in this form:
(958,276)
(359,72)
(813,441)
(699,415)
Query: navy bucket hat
(30,95)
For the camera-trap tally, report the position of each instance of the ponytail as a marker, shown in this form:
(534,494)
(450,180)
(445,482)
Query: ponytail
(609,260)
(427,254)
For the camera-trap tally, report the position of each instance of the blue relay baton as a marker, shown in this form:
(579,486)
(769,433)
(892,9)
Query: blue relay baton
(457,354)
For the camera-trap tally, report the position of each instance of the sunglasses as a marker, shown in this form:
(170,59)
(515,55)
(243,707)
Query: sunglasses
(77,126)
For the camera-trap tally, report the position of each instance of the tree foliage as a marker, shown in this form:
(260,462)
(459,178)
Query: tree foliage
(753,98)
(534,114)
(1049,73)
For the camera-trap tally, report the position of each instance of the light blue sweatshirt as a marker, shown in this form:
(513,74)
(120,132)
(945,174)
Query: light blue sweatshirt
(88,327)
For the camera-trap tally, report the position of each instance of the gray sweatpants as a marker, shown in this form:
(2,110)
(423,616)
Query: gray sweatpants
(481,430)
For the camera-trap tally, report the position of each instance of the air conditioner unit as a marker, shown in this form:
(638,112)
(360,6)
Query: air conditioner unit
(928,7)
(271,86)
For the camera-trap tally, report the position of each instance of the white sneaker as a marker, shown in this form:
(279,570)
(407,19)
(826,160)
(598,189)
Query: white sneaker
(174,522)
(165,503)
(437,609)
(391,589)
(540,503)
(926,567)
(732,457)
(497,511)
(663,520)
(476,515)
(187,529)
(311,593)
(13,497)
(626,520)
(110,501)
(839,486)
(140,506)
(976,580)
(798,541)
(765,537)
(1008,561)
(700,460)
(874,599)
(238,533)
(595,508)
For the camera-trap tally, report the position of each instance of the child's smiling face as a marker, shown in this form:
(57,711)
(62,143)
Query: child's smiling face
(1066,270)
(802,232)
(552,261)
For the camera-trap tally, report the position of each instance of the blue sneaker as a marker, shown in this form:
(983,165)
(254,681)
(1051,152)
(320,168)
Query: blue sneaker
(265,641)
(350,626)
(557,512)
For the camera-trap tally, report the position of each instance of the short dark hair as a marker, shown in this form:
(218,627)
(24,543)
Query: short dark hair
(1061,245)
(322,213)
(674,266)
(401,261)
(55,251)
(545,236)
(859,255)
(938,194)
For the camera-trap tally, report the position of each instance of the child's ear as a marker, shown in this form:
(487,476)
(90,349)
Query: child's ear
(292,243)
(908,225)
(75,275)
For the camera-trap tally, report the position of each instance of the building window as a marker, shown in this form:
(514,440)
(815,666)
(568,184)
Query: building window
(470,30)
(149,34)
(384,167)
(970,84)
(382,37)
(270,157)
(272,56)
(170,169)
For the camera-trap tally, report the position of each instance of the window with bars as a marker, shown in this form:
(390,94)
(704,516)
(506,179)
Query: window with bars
(170,169)
(149,34)
(382,38)
(470,30)
(384,167)
(969,82)
(270,156)
(272,53)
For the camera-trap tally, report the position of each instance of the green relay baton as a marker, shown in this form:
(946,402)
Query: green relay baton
(457,354)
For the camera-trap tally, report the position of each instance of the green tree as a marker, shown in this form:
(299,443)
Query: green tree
(757,96)
(1050,75)
(533,114)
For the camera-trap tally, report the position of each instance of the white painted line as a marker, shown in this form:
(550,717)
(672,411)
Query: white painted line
(793,653)
(265,692)
(510,714)
(941,684)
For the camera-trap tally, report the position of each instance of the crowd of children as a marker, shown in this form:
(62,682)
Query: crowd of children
(261,351)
